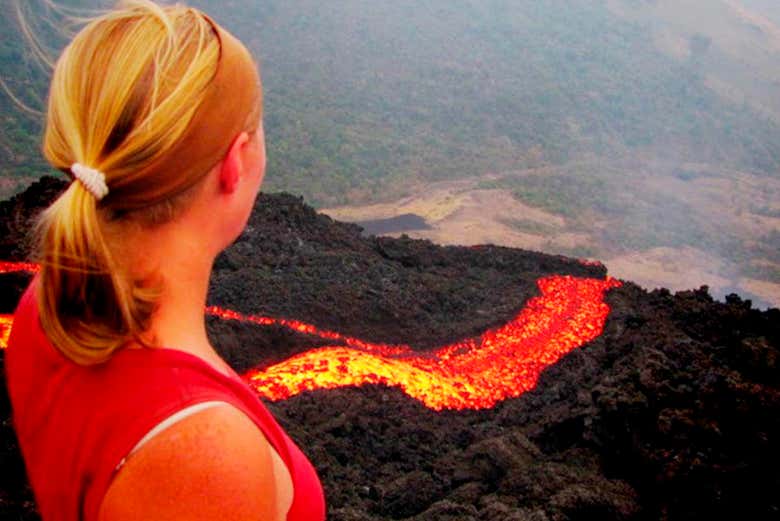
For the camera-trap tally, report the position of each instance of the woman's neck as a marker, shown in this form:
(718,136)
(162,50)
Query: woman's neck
(179,321)
(183,260)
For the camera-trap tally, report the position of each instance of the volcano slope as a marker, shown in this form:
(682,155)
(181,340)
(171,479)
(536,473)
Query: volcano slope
(673,412)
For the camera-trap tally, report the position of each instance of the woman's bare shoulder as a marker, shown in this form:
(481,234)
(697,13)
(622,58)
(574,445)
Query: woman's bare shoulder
(210,465)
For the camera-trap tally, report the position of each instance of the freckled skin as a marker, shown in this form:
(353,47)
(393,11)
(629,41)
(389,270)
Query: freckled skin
(216,458)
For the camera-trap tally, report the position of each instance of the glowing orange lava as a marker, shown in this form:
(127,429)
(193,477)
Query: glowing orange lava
(470,374)
(5,329)
(6,321)
(12,267)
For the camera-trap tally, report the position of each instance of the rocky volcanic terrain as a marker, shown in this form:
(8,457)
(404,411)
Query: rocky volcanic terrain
(672,413)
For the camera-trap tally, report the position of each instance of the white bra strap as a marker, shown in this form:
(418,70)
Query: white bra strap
(167,422)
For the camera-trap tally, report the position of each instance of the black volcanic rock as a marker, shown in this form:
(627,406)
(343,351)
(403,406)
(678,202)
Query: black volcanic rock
(672,413)
(17,216)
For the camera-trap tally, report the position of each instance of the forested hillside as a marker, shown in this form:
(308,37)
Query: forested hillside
(370,95)
(365,95)
(22,83)
(646,126)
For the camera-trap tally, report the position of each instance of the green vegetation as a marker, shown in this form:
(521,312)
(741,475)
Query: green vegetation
(365,97)
(23,86)
(529,226)
(569,192)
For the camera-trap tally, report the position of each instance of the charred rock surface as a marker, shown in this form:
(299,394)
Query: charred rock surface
(672,413)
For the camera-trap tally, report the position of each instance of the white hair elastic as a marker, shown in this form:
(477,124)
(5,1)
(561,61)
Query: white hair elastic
(93,180)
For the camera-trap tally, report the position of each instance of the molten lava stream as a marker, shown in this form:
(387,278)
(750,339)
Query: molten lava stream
(13,267)
(471,374)
(6,321)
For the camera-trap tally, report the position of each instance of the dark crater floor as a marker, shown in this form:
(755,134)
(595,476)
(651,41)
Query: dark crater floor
(672,413)
(406,222)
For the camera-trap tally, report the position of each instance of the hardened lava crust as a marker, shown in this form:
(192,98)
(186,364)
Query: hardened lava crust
(672,412)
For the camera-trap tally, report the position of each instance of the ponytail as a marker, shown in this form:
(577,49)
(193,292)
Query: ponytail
(89,304)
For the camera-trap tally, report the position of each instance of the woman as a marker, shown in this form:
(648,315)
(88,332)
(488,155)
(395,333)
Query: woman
(122,406)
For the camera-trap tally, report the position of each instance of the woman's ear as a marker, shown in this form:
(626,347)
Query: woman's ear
(232,168)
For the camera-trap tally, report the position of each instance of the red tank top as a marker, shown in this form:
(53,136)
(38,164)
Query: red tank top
(76,424)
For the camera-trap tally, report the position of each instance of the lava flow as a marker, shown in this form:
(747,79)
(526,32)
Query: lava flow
(13,267)
(5,329)
(470,374)
(6,321)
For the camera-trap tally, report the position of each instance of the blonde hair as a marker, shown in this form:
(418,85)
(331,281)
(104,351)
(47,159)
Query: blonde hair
(139,94)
